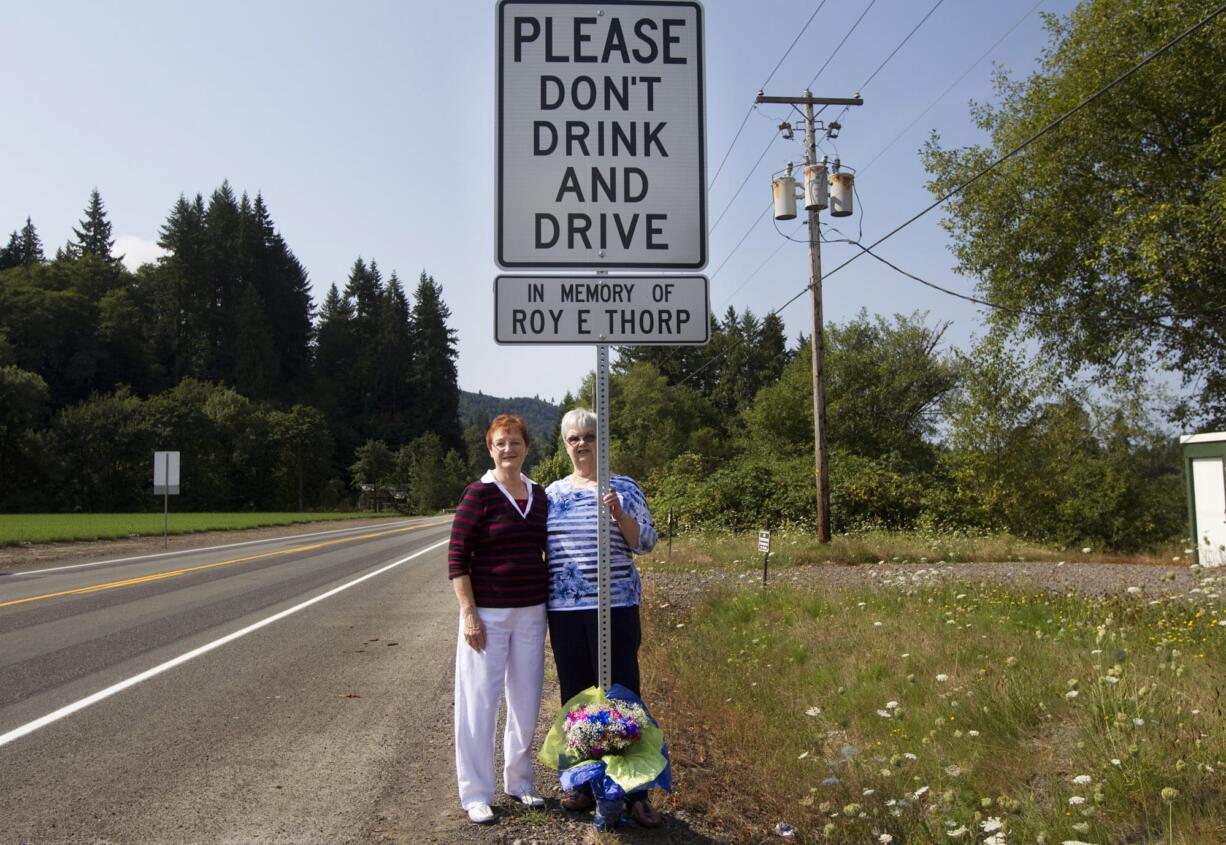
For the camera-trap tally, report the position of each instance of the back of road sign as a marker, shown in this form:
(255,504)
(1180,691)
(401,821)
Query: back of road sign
(601,159)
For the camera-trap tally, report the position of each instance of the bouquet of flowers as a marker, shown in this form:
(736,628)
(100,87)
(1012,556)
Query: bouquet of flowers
(593,731)
(609,741)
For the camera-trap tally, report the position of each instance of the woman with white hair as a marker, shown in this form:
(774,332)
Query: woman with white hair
(571,550)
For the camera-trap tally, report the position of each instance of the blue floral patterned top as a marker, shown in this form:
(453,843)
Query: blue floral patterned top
(571,545)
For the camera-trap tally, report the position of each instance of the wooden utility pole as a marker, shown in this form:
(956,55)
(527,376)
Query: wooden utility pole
(817,346)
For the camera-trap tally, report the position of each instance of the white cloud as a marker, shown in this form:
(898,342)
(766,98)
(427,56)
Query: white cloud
(136,251)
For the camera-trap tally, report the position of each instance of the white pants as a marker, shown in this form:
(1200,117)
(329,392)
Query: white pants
(514,659)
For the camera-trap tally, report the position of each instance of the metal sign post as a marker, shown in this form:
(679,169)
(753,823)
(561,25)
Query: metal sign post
(603,574)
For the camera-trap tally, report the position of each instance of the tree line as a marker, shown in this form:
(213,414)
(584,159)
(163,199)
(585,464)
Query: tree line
(921,436)
(215,350)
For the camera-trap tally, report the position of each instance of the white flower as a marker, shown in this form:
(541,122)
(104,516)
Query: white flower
(911,756)
(972,733)
(877,624)
(813,711)
(953,770)
(957,833)
(803,755)
(919,793)
(1111,679)
(1138,722)
(885,714)
(1115,761)
(1071,694)
(890,705)
(991,824)
(995,839)
(1086,550)
(885,839)
(942,678)
(1082,780)
(1076,800)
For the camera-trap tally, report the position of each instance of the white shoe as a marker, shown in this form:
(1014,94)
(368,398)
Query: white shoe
(531,799)
(480,814)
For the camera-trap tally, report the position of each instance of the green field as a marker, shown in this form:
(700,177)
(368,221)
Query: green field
(16,529)
(924,711)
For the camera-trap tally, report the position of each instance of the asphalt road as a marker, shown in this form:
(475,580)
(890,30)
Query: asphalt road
(202,697)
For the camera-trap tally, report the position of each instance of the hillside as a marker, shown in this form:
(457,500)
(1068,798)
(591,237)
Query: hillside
(541,416)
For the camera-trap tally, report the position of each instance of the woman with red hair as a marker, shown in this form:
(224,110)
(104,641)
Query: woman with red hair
(497,568)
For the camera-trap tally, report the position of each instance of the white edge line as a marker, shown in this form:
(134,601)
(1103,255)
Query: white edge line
(68,710)
(19,572)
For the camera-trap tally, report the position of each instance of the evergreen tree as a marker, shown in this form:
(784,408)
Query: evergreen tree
(31,245)
(9,253)
(394,365)
(285,287)
(94,236)
(256,368)
(221,266)
(336,358)
(182,295)
(24,248)
(364,294)
(434,365)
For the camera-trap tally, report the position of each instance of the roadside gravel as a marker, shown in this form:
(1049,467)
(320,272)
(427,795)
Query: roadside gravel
(682,589)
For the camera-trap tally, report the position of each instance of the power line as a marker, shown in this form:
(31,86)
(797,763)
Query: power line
(1030,140)
(771,76)
(793,44)
(762,266)
(951,87)
(745,181)
(900,45)
(841,43)
(752,226)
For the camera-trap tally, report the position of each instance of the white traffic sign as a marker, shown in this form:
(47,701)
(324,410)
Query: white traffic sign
(166,473)
(622,310)
(601,135)
(764,541)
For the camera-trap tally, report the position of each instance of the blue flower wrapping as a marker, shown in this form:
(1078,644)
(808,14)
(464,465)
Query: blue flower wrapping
(643,766)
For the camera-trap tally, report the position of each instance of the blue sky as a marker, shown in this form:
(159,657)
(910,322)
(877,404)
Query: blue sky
(369,129)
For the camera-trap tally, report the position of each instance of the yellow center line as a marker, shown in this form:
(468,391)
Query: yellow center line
(174,573)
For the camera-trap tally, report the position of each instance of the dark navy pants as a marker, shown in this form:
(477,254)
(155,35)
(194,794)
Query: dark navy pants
(573,637)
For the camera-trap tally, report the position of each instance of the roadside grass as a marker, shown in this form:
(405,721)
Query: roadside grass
(796,548)
(928,712)
(16,529)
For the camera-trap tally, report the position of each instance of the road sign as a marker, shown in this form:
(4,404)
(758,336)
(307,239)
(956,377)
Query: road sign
(624,310)
(166,473)
(764,541)
(601,135)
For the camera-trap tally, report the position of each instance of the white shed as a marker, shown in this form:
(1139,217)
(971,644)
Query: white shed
(1204,458)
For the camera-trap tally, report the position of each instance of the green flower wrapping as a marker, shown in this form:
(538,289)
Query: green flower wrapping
(636,767)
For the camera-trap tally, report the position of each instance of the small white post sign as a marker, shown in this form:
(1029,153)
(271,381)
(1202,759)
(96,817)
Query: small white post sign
(165,484)
(624,310)
(165,473)
(764,541)
(601,158)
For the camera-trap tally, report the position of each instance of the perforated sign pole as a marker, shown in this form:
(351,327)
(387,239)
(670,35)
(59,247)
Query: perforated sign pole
(603,575)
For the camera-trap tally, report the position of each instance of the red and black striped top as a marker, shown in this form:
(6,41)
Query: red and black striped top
(501,550)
